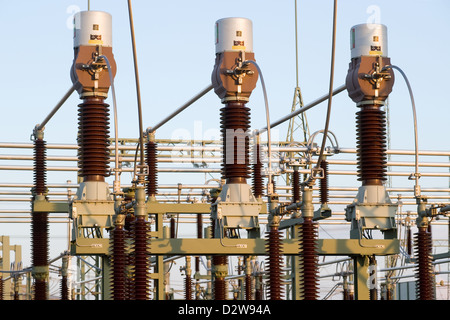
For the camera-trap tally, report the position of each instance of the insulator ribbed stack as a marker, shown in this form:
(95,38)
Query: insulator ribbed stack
(248,287)
(188,288)
(308,259)
(40,167)
(118,263)
(152,163)
(234,124)
(324,182)
(141,229)
(295,186)
(93,152)
(64,288)
(424,270)
(220,290)
(371,145)
(274,264)
(39,244)
(39,221)
(257,173)
(1,288)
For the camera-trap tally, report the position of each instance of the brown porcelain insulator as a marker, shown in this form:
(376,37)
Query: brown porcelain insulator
(1,287)
(93,143)
(39,220)
(40,167)
(308,259)
(187,288)
(199,226)
(64,288)
(234,123)
(257,173)
(274,263)
(324,182)
(40,289)
(408,241)
(173,228)
(248,287)
(141,229)
(199,236)
(424,269)
(371,145)
(219,282)
(118,263)
(152,163)
(39,244)
(295,186)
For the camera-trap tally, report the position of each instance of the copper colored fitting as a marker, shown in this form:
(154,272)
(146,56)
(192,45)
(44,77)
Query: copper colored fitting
(231,82)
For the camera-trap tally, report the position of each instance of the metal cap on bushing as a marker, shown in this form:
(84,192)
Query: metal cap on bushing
(91,28)
(368,39)
(367,82)
(92,38)
(234,34)
(232,80)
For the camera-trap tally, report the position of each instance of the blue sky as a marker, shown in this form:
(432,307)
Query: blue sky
(175,45)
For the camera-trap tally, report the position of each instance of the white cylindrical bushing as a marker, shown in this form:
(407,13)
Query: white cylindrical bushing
(368,39)
(92,28)
(234,34)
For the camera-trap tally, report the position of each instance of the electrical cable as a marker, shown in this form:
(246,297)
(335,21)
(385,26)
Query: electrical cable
(138,90)
(266,103)
(330,95)
(416,142)
(116,186)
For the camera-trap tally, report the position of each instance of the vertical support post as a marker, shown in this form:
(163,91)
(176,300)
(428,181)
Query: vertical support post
(5,265)
(361,277)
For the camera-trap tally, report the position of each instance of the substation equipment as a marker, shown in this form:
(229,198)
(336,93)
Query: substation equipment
(133,254)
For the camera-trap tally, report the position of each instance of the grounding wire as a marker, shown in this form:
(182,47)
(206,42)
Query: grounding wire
(116,127)
(266,103)
(330,95)
(416,142)
(138,90)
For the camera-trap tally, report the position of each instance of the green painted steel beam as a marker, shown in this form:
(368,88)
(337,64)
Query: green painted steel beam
(154,207)
(186,246)
(163,208)
(50,207)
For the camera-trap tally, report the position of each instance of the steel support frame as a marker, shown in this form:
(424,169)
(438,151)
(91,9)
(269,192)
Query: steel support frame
(162,246)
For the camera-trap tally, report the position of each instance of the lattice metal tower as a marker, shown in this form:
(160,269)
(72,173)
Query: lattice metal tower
(298,129)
